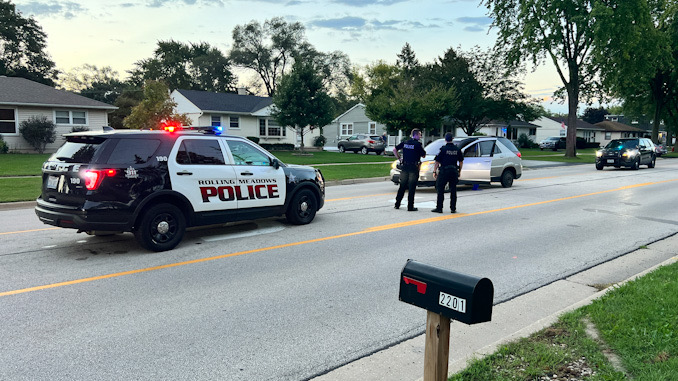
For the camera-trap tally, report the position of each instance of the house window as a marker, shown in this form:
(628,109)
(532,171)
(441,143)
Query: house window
(216,121)
(347,129)
(533,131)
(234,122)
(7,121)
(372,128)
(269,127)
(608,135)
(70,117)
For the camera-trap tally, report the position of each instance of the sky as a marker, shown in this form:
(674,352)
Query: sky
(118,33)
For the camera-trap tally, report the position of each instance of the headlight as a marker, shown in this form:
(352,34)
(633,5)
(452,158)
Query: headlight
(393,165)
(599,153)
(427,166)
(630,153)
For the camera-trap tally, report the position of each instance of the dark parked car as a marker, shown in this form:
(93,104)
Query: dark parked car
(552,142)
(630,152)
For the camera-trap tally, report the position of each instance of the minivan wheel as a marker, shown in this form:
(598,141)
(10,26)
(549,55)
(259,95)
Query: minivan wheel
(507,179)
(303,207)
(161,228)
(363,150)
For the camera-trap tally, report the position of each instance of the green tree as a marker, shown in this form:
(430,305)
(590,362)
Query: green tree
(301,101)
(155,107)
(128,99)
(22,47)
(594,115)
(38,132)
(186,66)
(560,31)
(101,84)
(634,48)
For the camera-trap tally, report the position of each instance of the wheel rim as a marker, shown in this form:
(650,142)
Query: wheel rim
(364,151)
(163,227)
(303,208)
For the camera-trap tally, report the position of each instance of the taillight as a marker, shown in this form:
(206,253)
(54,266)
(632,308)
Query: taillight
(371,141)
(94,177)
(519,154)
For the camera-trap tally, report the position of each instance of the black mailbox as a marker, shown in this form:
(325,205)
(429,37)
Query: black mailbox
(461,297)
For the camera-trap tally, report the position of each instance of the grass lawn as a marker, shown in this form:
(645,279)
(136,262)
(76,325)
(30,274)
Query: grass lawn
(325,157)
(587,156)
(19,189)
(22,164)
(343,172)
(637,322)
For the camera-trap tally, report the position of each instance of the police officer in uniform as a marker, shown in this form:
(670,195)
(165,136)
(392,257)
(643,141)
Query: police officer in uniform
(409,172)
(446,170)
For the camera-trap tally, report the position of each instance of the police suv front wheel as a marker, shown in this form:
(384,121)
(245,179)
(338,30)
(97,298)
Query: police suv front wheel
(303,207)
(161,228)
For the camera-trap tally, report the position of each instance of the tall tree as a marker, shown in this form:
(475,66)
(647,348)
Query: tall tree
(22,47)
(186,66)
(101,84)
(633,45)
(560,31)
(594,115)
(301,101)
(267,49)
(155,107)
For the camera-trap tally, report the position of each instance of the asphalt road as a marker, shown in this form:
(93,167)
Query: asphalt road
(271,301)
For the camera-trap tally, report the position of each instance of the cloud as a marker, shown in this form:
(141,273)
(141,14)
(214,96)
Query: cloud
(344,23)
(364,3)
(476,24)
(162,3)
(351,23)
(67,9)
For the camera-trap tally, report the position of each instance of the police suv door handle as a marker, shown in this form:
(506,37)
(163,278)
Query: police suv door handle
(182,173)
(247,173)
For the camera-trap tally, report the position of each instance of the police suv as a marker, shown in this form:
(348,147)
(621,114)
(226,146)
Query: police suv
(156,184)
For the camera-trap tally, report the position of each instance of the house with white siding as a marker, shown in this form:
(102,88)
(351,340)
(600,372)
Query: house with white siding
(353,121)
(21,99)
(238,114)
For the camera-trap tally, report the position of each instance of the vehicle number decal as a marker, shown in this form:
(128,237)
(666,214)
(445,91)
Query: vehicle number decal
(452,302)
(161,158)
(75,180)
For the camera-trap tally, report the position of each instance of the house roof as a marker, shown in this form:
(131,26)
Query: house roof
(611,126)
(17,91)
(581,125)
(226,102)
(512,123)
(347,111)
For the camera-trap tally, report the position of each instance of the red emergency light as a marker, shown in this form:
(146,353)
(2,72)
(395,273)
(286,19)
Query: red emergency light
(170,125)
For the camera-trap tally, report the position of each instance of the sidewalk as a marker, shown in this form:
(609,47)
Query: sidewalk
(511,320)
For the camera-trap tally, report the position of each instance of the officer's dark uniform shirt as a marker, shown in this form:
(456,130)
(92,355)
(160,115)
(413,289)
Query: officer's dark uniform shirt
(412,151)
(449,155)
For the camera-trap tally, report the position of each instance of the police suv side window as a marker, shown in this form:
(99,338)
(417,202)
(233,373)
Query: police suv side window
(133,151)
(246,154)
(200,151)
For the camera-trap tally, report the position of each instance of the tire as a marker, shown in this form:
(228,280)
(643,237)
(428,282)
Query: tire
(652,162)
(303,207)
(379,152)
(161,228)
(636,164)
(507,179)
(364,150)
(342,149)
(599,166)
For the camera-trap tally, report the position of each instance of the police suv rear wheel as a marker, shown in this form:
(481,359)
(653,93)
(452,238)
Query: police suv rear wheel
(161,228)
(303,207)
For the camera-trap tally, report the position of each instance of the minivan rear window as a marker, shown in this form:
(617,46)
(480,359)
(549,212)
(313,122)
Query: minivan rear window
(508,144)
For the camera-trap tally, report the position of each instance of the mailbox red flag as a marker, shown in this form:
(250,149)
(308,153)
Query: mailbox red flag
(421,286)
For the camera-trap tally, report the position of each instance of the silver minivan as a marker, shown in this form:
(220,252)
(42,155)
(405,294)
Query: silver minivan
(486,159)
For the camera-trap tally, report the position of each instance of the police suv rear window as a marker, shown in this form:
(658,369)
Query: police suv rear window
(200,151)
(133,151)
(73,152)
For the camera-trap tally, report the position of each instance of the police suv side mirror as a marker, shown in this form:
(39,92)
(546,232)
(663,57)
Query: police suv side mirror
(275,163)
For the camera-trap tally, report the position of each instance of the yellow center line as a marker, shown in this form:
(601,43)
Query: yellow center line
(365,231)
(29,231)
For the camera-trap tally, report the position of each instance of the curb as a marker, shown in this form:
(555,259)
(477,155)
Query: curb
(17,205)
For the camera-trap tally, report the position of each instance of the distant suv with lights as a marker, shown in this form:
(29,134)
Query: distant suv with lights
(155,184)
(631,152)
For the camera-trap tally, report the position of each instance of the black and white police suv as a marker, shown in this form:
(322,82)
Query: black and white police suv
(156,184)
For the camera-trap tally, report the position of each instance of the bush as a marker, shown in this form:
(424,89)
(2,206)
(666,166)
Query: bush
(38,132)
(79,129)
(278,146)
(3,145)
(524,141)
(319,141)
(478,133)
(254,139)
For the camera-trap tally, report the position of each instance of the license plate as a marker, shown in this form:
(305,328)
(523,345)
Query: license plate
(452,302)
(52,182)
(610,160)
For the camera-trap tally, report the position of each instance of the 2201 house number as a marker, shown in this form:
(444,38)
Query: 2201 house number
(452,302)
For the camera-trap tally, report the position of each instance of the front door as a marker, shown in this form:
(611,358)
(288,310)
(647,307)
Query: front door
(259,183)
(476,167)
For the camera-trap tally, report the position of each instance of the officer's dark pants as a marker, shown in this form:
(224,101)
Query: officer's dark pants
(447,176)
(409,176)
